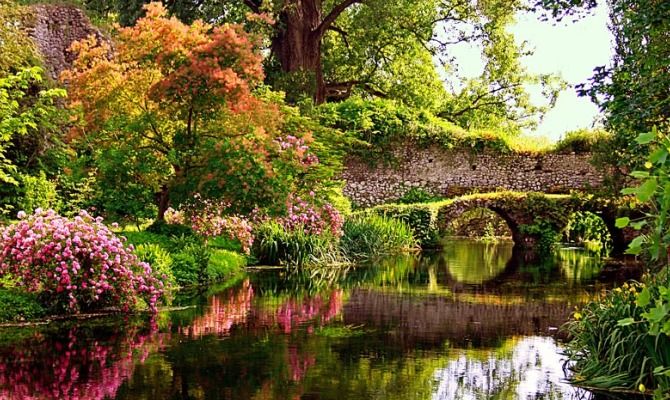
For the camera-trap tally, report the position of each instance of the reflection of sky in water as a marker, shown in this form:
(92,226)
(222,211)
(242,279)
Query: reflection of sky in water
(528,368)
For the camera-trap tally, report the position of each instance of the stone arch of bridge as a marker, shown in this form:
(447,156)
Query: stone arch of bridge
(517,211)
(452,212)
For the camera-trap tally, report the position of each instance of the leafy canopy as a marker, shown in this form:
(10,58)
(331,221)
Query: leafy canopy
(170,110)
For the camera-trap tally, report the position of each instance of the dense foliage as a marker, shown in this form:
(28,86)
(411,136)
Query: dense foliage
(198,127)
(633,90)
(384,49)
(621,341)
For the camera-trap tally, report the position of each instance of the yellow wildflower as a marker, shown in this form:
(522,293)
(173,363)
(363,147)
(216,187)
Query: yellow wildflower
(577,315)
(642,388)
(647,165)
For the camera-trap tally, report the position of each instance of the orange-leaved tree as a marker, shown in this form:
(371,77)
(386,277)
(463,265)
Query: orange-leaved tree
(169,108)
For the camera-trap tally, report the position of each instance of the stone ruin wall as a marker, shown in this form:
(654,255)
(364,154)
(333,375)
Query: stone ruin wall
(54,28)
(452,172)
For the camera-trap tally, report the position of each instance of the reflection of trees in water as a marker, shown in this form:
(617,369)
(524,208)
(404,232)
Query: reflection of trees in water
(224,310)
(577,265)
(76,363)
(236,307)
(473,262)
(527,368)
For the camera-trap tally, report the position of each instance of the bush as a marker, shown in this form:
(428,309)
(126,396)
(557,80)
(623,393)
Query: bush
(417,195)
(276,245)
(189,266)
(224,263)
(368,236)
(169,230)
(421,218)
(18,306)
(582,141)
(38,192)
(160,261)
(76,264)
(143,237)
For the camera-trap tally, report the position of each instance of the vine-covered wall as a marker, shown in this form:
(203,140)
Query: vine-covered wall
(451,172)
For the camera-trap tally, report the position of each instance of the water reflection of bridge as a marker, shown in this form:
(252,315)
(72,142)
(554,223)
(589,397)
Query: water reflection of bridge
(433,320)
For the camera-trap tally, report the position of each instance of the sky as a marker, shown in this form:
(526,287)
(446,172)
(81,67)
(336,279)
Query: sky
(570,49)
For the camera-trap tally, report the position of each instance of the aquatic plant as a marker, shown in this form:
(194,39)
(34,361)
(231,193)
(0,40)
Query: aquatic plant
(276,245)
(373,235)
(612,346)
(78,264)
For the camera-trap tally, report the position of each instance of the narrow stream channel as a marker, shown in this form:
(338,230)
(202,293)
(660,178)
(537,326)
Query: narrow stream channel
(475,321)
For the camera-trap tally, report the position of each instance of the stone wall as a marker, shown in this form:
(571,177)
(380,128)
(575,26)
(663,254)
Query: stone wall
(53,29)
(451,172)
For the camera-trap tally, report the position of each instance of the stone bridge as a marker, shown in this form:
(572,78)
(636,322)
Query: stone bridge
(520,210)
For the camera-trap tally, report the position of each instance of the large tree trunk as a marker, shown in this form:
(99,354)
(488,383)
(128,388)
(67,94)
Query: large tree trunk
(297,43)
(163,202)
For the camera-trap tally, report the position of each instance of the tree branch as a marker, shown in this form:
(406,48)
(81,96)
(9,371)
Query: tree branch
(329,19)
(254,5)
(342,33)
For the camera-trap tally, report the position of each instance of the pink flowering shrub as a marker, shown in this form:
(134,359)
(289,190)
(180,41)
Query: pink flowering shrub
(313,219)
(210,218)
(77,263)
(299,148)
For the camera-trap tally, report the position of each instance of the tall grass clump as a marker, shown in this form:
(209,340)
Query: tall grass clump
(276,245)
(372,235)
(612,346)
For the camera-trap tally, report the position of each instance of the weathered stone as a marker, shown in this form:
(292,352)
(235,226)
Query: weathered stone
(452,172)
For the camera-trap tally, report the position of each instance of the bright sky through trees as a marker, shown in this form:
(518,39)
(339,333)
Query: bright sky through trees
(571,49)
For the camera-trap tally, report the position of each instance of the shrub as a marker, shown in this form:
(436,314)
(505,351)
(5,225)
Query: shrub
(189,266)
(417,195)
(312,219)
(368,236)
(276,245)
(165,229)
(160,261)
(77,264)
(224,263)
(16,306)
(38,192)
(582,141)
(209,219)
(421,218)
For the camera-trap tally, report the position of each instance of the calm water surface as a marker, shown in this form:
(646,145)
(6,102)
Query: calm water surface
(476,321)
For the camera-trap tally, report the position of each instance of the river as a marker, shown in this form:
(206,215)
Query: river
(474,321)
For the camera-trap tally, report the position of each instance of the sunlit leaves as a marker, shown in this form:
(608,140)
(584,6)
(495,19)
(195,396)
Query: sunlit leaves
(21,114)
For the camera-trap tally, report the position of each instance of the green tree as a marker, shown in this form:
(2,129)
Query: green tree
(18,51)
(633,90)
(332,49)
(23,113)
(174,112)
